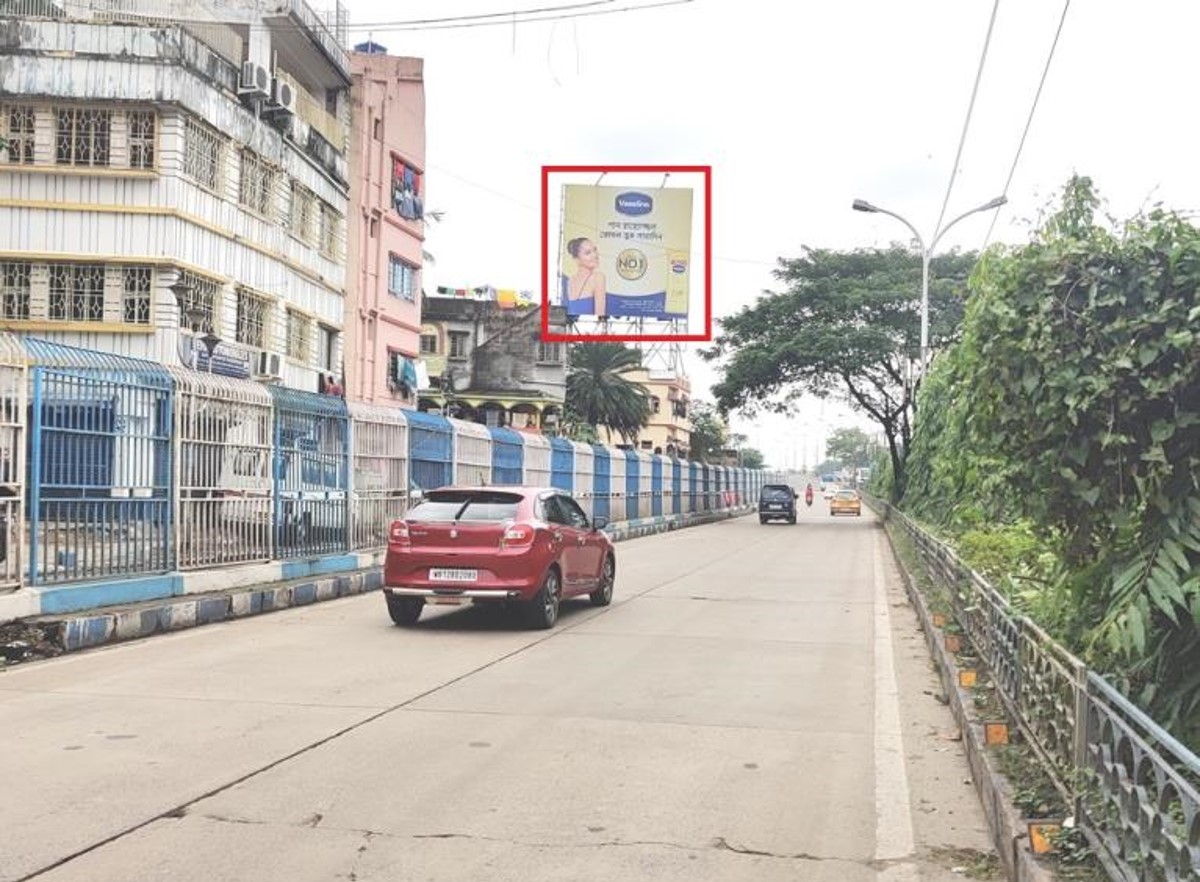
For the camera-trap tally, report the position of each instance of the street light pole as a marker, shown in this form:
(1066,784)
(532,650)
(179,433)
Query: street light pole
(926,256)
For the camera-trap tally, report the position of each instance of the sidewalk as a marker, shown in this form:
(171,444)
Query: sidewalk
(46,636)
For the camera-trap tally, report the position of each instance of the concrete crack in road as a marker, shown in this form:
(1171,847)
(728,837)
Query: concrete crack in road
(368,835)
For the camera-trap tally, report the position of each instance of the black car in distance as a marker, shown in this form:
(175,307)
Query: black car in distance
(777,501)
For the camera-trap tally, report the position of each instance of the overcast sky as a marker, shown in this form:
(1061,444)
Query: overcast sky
(800,108)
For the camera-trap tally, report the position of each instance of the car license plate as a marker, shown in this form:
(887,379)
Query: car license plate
(448,575)
(776,508)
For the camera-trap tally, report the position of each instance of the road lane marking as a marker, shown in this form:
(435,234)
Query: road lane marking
(894,840)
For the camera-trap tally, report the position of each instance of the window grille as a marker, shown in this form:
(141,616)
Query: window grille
(429,344)
(14,290)
(83,136)
(19,126)
(402,278)
(253,318)
(258,184)
(303,221)
(331,232)
(135,294)
(458,344)
(549,353)
(202,154)
(299,336)
(76,292)
(201,300)
(142,124)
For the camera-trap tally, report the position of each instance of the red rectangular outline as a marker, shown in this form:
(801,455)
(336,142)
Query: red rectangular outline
(706,171)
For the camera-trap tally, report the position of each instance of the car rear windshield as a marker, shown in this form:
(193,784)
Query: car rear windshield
(776,493)
(847,494)
(466,505)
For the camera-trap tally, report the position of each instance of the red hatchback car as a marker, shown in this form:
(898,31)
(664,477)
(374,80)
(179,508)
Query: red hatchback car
(532,546)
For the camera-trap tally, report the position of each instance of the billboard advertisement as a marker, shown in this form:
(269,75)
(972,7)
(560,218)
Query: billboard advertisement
(625,252)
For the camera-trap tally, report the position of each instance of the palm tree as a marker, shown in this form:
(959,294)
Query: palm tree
(598,393)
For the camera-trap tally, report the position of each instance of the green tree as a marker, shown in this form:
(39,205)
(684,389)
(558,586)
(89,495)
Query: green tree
(598,392)
(708,435)
(851,447)
(848,323)
(752,458)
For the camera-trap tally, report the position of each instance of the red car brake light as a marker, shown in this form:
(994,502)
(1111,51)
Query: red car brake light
(517,535)
(398,534)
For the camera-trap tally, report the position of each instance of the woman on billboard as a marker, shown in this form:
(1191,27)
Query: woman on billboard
(585,290)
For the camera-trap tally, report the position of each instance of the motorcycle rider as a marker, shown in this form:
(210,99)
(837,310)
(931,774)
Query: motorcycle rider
(808,495)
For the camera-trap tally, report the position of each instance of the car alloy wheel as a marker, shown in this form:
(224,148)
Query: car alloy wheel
(544,608)
(602,596)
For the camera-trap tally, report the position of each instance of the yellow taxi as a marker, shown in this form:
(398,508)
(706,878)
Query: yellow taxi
(845,502)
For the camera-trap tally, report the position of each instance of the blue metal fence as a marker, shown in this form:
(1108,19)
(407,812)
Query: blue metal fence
(677,477)
(99,489)
(656,486)
(631,484)
(508,455)
(602,481)
(311,473)
(430,449)
(562,464)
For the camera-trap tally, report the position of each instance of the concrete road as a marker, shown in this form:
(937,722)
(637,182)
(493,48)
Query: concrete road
(756,704)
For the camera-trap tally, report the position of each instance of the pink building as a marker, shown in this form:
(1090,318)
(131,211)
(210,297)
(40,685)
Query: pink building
(386,227)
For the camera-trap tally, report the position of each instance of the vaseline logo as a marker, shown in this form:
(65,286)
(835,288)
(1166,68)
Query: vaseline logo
(631,264)
(634,203)
(678,266)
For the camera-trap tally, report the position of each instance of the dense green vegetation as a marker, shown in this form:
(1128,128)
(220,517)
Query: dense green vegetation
(1058,443)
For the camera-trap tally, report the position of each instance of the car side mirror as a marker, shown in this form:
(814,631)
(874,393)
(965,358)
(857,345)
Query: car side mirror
(599,524)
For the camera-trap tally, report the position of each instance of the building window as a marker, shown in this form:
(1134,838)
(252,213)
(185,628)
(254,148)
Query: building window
(18,130)
(199,308)
(303,219)
(458,344)
(402,278)
(257,187)
(135,294)
(253,318)
(141,125)
(203,149)
(331,232)
(378,129)
(299,336)
(406,190)
(373,227)
(549,353)
(429,344)
(327,339)
(14,290)
(647,445)
(83,136)
(76,292)
(655,404)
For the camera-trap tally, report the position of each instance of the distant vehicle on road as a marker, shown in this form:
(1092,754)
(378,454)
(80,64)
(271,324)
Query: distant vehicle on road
(529,546)
(830,490)
(777,502)
(845,502)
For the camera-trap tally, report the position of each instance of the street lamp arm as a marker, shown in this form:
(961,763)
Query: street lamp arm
(987,206)
(862,205)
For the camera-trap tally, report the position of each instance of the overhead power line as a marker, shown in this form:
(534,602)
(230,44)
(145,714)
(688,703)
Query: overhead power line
(967,122)
(510,18)
(1029,120)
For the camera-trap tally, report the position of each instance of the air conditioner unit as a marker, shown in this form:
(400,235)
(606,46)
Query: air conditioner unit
(266,366)
(282,98)
(255,81)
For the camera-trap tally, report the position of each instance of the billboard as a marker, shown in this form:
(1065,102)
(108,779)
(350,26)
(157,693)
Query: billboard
(625,252)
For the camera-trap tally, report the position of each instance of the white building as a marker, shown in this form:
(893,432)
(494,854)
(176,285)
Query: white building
(175,171)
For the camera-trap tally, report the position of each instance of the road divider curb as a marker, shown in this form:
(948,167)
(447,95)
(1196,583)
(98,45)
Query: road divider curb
(1008,829)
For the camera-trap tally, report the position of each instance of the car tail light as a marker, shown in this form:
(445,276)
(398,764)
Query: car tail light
(398,534)
(517,535)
